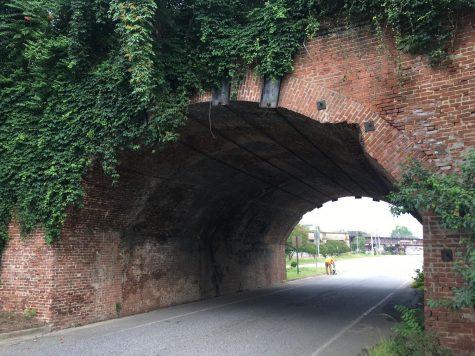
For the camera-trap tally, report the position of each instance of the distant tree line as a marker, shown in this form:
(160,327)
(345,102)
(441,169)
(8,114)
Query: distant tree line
(298,242)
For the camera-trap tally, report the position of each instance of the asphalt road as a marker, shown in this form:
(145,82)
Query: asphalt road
(327,315)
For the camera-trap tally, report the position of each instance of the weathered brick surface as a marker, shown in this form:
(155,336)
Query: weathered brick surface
(183,225)
(26,279)
(456,329)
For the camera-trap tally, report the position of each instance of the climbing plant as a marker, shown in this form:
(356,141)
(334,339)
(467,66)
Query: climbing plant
(81,80)
(452,198)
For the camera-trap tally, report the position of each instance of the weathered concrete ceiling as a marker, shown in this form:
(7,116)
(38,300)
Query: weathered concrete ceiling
(246,172)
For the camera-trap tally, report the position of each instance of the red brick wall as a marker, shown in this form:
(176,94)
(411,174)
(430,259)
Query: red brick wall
(100,263)
(433,106)
(26,274)
(456,329)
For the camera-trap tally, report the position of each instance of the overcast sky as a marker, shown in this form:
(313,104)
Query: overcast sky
(360,214)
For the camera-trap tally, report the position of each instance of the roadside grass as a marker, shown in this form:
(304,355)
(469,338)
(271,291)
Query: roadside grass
(417,343)
(304,272)
(310,260)
(384,348)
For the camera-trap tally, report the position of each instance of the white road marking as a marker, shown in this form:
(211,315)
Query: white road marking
(357,320)
(99,324)
(280,290)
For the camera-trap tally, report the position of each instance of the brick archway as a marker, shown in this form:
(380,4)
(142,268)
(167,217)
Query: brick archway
(387,145)
(152,240)
(209,212)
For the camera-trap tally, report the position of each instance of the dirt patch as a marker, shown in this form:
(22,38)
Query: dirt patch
(14,321)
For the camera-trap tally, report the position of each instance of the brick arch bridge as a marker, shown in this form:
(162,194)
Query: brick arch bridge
(210,213)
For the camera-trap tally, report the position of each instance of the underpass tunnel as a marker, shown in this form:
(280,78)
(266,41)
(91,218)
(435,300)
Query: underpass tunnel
(236,183)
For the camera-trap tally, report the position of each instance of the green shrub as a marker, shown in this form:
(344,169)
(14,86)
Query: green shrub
(414,345)
(29,313)
(334,248)
(412,321)
(450,196)
(293,264)
(118,308)
(382,349)
(410,338)
(418,280)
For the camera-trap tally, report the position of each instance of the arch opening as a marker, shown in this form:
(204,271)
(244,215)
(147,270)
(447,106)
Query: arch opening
(363,226)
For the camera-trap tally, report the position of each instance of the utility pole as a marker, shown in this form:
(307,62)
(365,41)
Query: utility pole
(357,242)
(297,248)
(317,242)
(379,244)
(372,244)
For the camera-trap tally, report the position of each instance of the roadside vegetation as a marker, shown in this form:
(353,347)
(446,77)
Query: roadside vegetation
(401,231)
(451,197)
(313,260)
(307,266)
(304,272)
(410,337)
(298,243)
(10,321)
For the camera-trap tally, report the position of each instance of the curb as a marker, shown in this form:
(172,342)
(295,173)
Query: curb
(25,334)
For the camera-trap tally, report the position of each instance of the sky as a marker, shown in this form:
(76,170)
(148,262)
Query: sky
(360,214)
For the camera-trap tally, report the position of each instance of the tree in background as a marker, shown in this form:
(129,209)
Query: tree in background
(361,237)
(358,244)
(289,249)
(299,232)
(401,231)
(334,248)
(311,249)
(359,233)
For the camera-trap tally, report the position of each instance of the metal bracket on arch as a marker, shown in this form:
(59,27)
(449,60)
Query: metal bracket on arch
(221,96)
(270,93)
